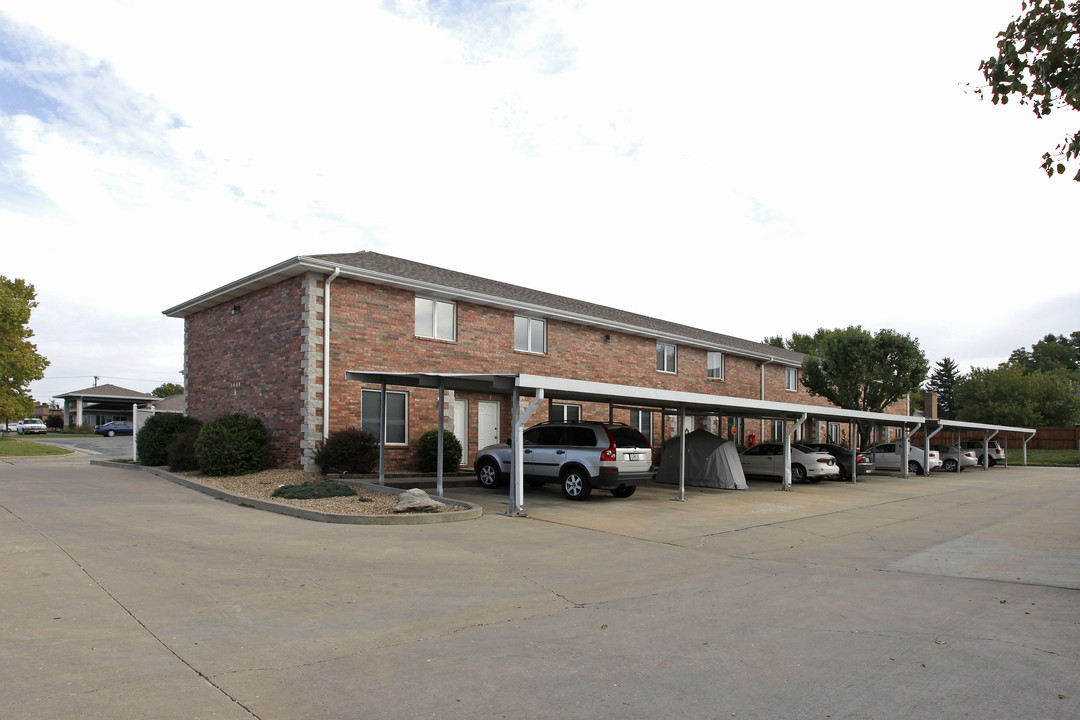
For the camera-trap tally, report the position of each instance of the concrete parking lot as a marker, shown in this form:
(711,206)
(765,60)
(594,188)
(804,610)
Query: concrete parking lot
(126,596)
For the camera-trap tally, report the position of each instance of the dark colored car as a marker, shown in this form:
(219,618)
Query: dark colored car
(116,427)
(864,461)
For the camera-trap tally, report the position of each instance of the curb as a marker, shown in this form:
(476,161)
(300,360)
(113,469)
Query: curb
(472,512)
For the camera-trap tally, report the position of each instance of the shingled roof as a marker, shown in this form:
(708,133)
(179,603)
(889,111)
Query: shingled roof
(388,270)
(421,272)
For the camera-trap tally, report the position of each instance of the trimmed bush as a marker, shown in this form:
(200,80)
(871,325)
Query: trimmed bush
(160,429)
(428,452)
(54,422)
(181,451)
(348,451)
(312,490)
(232,444)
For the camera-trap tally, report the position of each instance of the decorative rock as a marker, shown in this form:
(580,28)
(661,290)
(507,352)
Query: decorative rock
(416,500)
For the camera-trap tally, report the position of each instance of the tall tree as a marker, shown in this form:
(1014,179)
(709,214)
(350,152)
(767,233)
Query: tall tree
(853,369)
(20,363)
(166,389)
(1038,61)
(943,382)
(1009,395)
(1053,352)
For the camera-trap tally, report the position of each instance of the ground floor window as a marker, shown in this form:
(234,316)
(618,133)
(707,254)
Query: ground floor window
(397,415)
(561,412)
(833,433)
(641,420)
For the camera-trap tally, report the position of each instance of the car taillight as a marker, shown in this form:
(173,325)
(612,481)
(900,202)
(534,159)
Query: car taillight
(827,461)
(862,459)
(610,453)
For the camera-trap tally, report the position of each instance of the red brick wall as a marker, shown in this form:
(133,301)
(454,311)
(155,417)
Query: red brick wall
(250,362)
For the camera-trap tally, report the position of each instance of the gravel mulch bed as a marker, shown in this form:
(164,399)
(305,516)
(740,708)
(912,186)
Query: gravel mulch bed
(260,486)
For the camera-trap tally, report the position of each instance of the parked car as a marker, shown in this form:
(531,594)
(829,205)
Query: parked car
(116,427)
(864,461)
(31,426)
(887,456)
(954,459)
(807,464)
(996,451)
(581,456)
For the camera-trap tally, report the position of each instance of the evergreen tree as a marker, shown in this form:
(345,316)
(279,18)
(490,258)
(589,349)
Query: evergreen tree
(943,382)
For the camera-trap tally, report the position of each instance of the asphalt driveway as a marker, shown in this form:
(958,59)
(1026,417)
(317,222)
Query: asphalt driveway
(126,596)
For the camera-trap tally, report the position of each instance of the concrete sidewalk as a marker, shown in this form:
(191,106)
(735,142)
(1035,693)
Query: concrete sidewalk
(125,596)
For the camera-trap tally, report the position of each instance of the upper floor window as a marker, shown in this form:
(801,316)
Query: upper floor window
(530,334)
(435,319)
(791,382)
(665,357)
(715,366)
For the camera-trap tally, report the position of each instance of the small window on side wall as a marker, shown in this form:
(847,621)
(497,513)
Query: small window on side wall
(666,356)
(435,319)
(715,366)
(791,382)
(530,334)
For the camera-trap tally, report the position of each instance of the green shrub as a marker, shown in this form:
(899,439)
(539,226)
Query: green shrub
(181,452)
(348,451)
(232,444)
(152,440)
(311,490)
(428,452)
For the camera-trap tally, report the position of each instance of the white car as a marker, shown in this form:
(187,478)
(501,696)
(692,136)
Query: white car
(888,456)
(806,463)
(31,426)
(949,460)
(976,446)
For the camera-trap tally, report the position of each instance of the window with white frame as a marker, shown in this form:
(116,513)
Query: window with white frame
(714,367)
(778,430)
(435,318)
(833,433)
(530,334)
(666,355)
(397,415)
(641,420)
(791,380)
(561,412)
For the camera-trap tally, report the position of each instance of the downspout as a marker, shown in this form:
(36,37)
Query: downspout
(762,398)
(326,355)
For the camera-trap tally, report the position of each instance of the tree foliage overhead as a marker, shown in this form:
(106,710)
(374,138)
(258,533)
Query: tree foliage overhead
(1010,395)
(20,363)
(164,390)
(1038,60)
(1052,353)
(857,370)
(943,382)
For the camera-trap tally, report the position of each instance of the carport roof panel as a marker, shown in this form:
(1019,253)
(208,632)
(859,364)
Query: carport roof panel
(569,389)
(959,425)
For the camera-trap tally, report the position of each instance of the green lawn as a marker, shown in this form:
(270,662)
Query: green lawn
(10,447)
(1045,457)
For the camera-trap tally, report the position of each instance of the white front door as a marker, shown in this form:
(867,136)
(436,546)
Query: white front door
(461,427)
(487,423)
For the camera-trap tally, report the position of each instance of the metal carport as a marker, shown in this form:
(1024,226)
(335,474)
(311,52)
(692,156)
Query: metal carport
(538,387)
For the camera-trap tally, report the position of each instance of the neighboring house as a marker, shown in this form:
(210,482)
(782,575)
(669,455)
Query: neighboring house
(171,403)
(101,404)
(257,345)
(43,412)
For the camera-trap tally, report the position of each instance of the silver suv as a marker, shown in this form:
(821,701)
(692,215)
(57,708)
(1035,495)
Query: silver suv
(996,451)
(581,456)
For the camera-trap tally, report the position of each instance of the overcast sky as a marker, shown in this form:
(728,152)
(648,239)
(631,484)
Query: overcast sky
(749,168)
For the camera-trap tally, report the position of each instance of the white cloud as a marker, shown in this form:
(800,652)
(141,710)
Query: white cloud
(752,169)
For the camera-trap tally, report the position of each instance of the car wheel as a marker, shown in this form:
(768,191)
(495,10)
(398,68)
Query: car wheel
(624,491)
(111,433)
(575,484)
(914,467)
(950,465)
(798,473)
(487,474)
(993,462)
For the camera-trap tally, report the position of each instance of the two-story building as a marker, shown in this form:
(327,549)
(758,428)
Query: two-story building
(277,344)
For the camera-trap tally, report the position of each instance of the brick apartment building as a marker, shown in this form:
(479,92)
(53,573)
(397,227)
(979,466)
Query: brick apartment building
(257,345)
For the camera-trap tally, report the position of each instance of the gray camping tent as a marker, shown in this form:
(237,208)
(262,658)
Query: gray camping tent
(710,462)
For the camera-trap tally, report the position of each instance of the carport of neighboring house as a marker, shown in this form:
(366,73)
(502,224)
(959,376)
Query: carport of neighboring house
(683,404)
